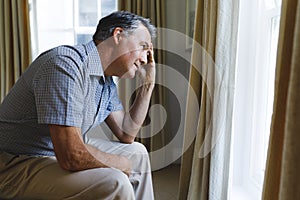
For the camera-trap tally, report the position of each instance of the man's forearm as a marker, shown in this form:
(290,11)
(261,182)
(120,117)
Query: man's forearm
(73,155)
(134,119)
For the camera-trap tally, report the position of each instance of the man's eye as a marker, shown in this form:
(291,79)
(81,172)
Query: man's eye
(145,47)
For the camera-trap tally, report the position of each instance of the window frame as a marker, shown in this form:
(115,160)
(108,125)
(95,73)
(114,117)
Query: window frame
(250,137)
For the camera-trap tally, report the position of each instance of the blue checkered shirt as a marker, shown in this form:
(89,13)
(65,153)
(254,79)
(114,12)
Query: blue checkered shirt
(64,86)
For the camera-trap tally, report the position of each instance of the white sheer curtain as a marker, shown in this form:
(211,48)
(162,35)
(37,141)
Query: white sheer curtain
(226,43)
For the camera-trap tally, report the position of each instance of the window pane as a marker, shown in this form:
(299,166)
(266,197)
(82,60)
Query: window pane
(88,15)
(57,22)
(53,23)
(275,22)
(83,38)
(107,6)
(272,4)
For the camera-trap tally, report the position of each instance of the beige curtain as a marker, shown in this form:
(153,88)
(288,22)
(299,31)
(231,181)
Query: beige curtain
(282,177)
(155,11)
(15,50)
(205,164)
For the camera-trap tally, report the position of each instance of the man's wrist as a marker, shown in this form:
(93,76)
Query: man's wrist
(146,89)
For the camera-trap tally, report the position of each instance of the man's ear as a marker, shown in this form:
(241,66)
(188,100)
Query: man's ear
(117,35)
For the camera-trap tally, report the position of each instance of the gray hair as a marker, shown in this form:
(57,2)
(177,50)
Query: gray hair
(123,19)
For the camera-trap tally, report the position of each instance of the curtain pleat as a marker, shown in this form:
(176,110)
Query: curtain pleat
(282,177)
(15,49)
(205,165)
(194,172)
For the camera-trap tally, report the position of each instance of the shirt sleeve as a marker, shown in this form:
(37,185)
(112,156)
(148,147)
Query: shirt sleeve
(59,92)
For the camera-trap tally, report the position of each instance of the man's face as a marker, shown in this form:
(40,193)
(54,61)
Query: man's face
(132,51)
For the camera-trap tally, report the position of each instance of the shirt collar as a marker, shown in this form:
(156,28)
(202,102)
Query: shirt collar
(94,62)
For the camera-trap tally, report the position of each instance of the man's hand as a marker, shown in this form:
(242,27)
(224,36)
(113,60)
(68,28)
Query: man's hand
(126,165)
(146,72)
(111,160)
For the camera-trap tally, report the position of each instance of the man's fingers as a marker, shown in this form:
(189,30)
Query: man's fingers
(150,56)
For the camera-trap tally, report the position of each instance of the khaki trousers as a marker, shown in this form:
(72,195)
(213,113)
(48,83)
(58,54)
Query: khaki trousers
(25,177)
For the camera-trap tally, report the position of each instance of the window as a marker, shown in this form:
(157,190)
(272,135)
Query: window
(56,22)
(257,47)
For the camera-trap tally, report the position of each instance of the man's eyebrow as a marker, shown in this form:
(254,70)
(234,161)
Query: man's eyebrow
(147,46)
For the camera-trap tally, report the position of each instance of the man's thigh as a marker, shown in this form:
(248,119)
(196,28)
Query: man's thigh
(136,152)
(27,177)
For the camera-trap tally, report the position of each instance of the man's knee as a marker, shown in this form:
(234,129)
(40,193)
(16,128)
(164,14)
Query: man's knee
(138,148)
(138,155)
(114,185)
(121,186)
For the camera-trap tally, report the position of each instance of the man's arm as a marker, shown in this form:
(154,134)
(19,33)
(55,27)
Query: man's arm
(125,125)
(73,155)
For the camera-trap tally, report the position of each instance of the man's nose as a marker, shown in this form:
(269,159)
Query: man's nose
(143,59)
